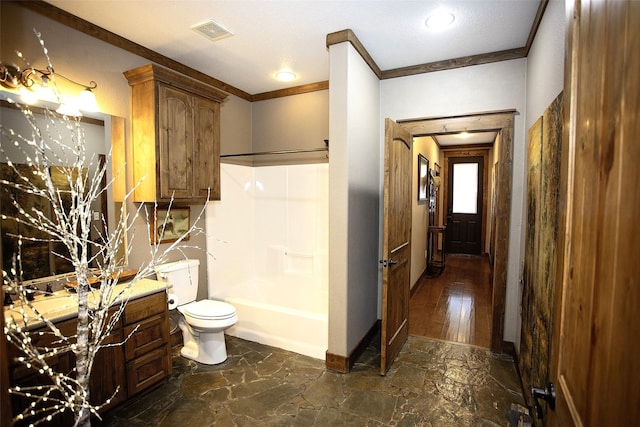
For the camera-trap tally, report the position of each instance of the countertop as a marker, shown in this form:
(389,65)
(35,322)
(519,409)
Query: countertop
(63,305)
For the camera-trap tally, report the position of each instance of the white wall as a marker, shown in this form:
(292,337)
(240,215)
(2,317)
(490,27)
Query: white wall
(298,121)
(420,210)
(354,174)
(545,63)
(545,80)
(489,87)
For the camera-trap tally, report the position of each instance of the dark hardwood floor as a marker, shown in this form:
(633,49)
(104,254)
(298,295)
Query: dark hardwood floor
(456,305)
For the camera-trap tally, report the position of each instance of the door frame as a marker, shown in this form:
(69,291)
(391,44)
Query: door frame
(470,152)
(503,122)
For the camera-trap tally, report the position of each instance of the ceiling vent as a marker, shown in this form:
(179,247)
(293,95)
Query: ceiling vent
(212,30)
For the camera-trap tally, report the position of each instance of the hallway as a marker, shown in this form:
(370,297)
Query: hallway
(456,305)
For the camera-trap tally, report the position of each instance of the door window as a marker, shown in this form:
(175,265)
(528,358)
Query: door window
(465,188)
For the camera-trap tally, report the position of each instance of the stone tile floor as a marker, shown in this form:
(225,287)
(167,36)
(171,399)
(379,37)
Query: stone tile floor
(432,383)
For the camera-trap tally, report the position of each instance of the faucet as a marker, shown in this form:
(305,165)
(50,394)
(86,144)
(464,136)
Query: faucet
(30,292)
(7,299)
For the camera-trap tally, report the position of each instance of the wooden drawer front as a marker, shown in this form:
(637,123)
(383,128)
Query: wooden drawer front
(151,333)
(148,370)
(142,308)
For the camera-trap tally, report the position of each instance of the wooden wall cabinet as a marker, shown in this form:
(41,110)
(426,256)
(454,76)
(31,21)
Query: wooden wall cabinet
(175,124)
(144,360)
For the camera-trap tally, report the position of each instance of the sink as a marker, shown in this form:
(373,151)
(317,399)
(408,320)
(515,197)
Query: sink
(50,307)
(54,303)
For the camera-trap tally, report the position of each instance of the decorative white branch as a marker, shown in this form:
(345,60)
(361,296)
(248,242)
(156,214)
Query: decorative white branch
(70,224)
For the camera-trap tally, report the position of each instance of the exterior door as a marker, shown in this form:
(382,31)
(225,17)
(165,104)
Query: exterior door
(396,261)
(596,345)
(464,205)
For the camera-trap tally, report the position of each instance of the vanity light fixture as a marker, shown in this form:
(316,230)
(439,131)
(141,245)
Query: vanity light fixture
(440,20)
(285,75)
(33,84)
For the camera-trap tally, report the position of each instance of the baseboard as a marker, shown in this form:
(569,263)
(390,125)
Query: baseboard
(343,364)
(334,362)
(510,348)
(176,338)
(416,285)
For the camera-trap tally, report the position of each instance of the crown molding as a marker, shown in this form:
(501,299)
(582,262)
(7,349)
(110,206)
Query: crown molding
(347,35)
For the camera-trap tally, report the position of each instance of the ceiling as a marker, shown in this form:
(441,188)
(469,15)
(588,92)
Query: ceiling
(465,138)
(273,34)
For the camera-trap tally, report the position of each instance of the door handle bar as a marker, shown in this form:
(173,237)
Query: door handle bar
(399,247)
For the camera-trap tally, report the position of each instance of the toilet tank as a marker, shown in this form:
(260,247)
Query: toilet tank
(183,276)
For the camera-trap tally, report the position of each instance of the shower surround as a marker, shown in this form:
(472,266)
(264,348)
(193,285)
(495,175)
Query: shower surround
(268,244)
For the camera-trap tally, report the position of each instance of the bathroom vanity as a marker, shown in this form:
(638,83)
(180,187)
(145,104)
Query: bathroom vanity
(143,361)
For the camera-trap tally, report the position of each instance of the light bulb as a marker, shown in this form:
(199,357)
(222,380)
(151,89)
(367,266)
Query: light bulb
(88,101)
(439,20)
(285,75)
(68,109)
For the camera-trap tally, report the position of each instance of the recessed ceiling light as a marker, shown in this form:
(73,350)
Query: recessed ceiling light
(285,75)
(440,19)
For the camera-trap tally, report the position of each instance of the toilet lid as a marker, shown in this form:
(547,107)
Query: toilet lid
(210,309)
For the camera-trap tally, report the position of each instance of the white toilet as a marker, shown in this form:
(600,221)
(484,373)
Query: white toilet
(202,322)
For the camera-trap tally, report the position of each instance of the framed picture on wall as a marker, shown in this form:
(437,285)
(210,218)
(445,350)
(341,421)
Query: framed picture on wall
(169,225)
(423,178)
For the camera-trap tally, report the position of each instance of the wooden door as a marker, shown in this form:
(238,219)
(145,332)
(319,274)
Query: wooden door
(396,250)
(596,339)
(464,221)
(176,144)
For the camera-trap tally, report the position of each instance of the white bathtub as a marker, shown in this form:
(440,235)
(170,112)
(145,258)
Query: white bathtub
(264,317)
(273,262)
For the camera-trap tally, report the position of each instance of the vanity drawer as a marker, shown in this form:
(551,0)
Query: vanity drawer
(151,333)
(148,370)
(142,308)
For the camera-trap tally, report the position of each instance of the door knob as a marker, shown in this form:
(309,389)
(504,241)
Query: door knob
(385,262)
(547,394)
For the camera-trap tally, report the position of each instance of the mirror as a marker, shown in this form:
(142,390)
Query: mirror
(39,259)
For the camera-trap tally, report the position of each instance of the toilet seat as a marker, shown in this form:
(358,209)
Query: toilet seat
(210,310)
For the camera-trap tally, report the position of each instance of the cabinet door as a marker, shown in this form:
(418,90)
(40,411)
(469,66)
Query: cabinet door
(206,171)
(109,374)
(175,139)
(25,377)
(29,378)
(148,370)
